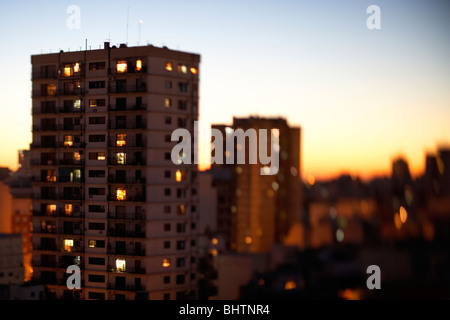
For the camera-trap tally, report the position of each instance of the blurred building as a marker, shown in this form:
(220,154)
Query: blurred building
(258,211)
(106,195)
(11,259)
(21,192)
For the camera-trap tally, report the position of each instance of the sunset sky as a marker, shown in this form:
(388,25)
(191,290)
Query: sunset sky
(362,97)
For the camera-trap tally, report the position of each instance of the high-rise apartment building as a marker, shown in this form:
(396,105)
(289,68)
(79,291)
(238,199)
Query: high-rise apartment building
(257,211)
(106,195)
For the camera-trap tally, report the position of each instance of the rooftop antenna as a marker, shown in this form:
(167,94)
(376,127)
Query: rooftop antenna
(140,23)
(128,15)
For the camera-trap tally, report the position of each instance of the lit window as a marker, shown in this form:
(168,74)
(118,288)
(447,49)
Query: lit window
(169,66)
(51,209)
(76,156)
(68,209)
(289,285)
(77,174)
(180,175)
(92,103)
(138,65)
(76,67)
(120,265)
(167,102)
(51,176)
(121,139)
(68,71)
(121,66)
(181,210)
(214,241)
(92,243)
(248,240)
(51,89)
(213,252)
(166,263)
(121,194)
(68,245)
(77,104)
(182,68)
(101,156)
(68,140)
(194,70)
(121,158)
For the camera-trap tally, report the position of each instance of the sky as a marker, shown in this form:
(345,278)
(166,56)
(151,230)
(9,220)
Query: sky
(362,97)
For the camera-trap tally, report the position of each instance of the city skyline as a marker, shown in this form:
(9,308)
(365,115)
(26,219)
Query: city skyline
(362,97)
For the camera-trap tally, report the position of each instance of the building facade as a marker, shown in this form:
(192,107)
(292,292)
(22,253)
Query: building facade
(257,211)
(106,195)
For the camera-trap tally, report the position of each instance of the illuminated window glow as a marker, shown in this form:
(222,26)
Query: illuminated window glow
(121,158)
(101,156)
(166,263)
(68,209)
(214,241)
(138,65)
(76,67)
(51,175)
(289,285)
(77,104)
(68,140)
(92,243)
(194,70)
(51,89)
(68,245)
(51,209)
(169,66)
(121,265)
(181,210)
(68,71)
(121,66)
(248,240)
(121,194)
(182,68)
(121,139)
(167,102)
(76,156)
(180,175)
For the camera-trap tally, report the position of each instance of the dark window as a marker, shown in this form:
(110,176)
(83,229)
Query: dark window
(181,262)
(180,279)
(96,208)
(167,191)
(167,227)
(96,66)
(96,295)
(97,261)
(96,173)
(97,138)
(167,279)
(167,174)
(96,84)
(167,209)
(180,245)
(181,227)
(96,226)
(97,120)
(166,244)
(96,191)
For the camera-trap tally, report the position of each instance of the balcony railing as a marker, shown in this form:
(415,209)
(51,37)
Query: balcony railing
(127,216)
(125,234)
(73,92)
(44,75)
(128,88)
(127,162)
(128,287)
(129,144)
(128,252)
(58,213)
(48,127)
(126,180)
(135,107)
(114,125)
(59,196)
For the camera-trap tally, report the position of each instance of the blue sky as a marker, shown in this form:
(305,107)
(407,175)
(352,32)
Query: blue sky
(361,96)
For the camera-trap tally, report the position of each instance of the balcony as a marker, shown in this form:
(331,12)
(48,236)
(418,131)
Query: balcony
(44,75)
(71,92)
(135,107)
(129,144)
(126,180)
(116,125)
(58,213)
(44,145)
(128,252)
(125,234)
(72,231)
(128,287)
(44,110)
(69,109)
(128,88)
(127,216)
(47,127)
(127,162)
(70,127)
(45,247)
